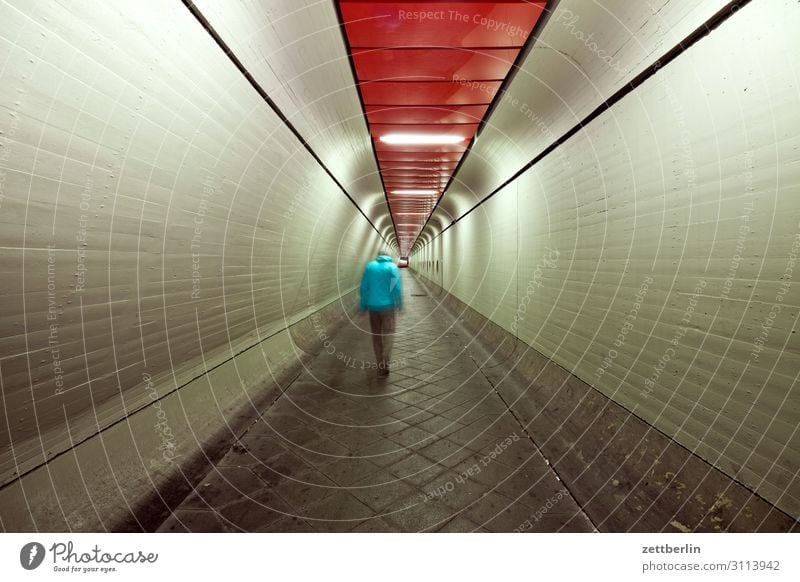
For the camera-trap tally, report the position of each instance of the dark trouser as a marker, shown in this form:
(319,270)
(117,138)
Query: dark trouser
(382,324)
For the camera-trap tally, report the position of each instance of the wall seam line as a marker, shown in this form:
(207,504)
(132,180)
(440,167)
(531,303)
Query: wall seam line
(691,39)
(195,11)
(650,426)
(140,408)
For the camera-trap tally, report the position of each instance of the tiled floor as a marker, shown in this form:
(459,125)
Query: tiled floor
(431,447)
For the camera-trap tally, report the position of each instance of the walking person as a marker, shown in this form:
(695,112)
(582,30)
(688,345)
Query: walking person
(381,296)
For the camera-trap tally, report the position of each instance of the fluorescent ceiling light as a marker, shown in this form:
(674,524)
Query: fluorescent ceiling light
(420,139)
(416,191)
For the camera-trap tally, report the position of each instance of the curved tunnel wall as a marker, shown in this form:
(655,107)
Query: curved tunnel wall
(652,254)
(158,220)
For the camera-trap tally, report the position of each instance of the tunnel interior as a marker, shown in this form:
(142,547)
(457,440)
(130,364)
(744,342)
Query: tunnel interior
(599,204)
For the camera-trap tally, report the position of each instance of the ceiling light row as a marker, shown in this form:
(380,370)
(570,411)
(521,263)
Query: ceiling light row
(420,139)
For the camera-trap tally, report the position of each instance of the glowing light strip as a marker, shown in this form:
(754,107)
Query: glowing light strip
(416,191)
(420,139)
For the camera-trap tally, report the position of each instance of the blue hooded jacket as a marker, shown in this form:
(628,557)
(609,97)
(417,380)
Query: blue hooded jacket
(380,286)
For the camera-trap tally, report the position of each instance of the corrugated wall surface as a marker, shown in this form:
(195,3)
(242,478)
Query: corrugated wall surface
(295,50)
(657,248)
(157,217)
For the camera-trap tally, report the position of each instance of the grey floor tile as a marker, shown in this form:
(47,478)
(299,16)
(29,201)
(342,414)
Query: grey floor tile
(457,490)
(306,489)
(337,513)
(412,436)
(381,491)
(384,453)
(255,513)
(446,452)
(346,472)
(344,450)
(416,469)
(282,466)
(193,521)
(417,515)
(223,485)
(374,525)
(289,524)
(556,523)
(495,506)
(458,524)
(355,438)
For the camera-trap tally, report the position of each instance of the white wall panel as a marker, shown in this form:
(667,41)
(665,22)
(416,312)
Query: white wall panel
(586,52)
(157,217)
(676,221)
(296,52)
(480,258)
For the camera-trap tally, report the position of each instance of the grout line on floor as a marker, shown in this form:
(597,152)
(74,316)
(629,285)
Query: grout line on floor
(459,328)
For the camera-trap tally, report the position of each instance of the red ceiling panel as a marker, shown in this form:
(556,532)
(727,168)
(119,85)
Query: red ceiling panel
(393,186)
(391,156)
(395,178)
(414,179)
(429,69)
(429,24)
(433,64)
(433,177)
(429,93)
(404,203)
(411,202)
(439,166)
(441,114)
(399,184)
